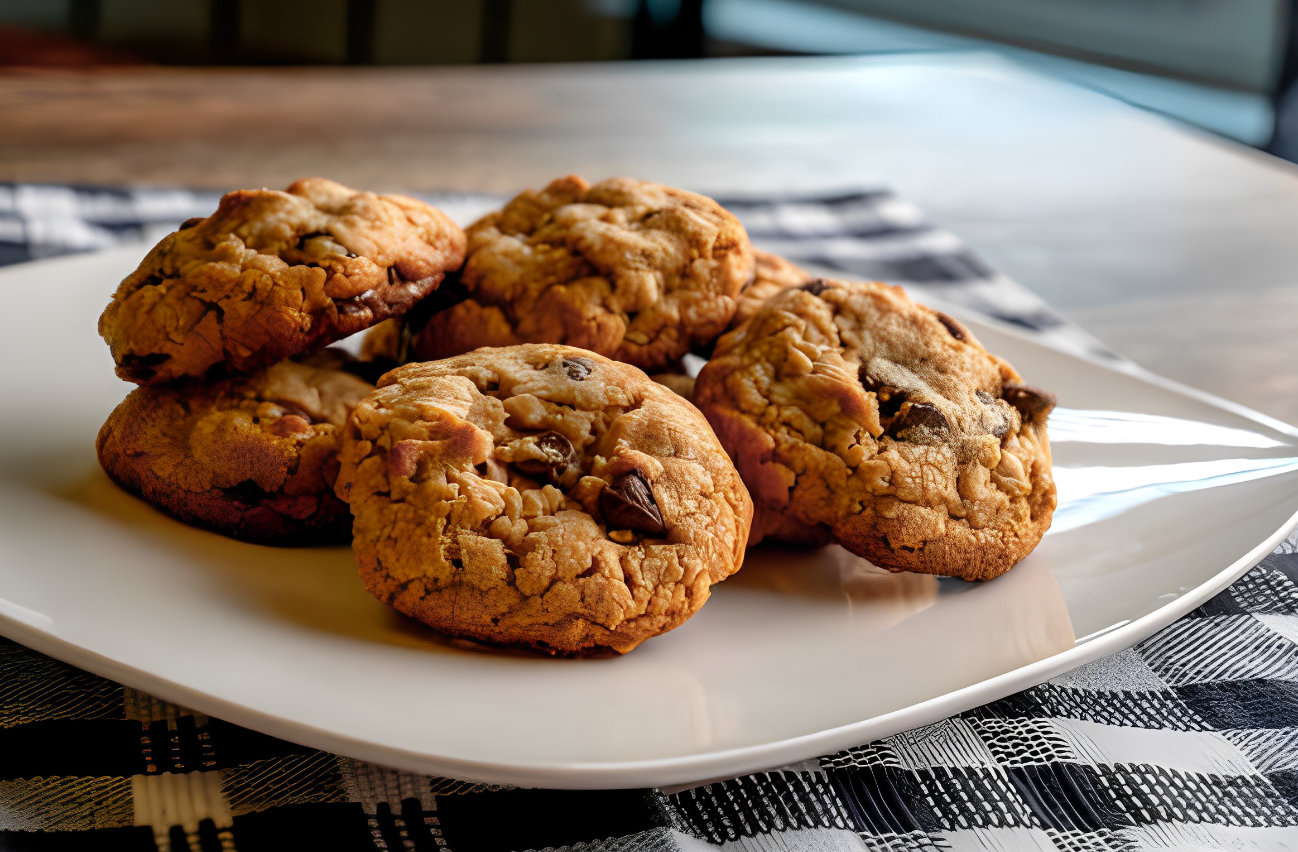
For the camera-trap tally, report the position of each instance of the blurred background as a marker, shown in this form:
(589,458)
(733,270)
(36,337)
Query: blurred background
(1227,66)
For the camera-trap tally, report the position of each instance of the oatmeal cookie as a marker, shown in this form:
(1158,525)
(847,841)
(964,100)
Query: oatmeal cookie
(540,495)
(677,381)
(633,270)
(253,457)
(772,274)
(384,343)
(272,274)
(857,415)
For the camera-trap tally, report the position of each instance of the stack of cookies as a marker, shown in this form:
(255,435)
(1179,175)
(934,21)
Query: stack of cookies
(237,423)
(518,477)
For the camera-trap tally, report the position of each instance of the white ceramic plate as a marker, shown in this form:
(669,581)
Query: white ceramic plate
(1166,496)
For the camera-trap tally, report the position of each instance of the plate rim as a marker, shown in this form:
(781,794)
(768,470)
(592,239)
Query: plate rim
(692,769)
(700,767)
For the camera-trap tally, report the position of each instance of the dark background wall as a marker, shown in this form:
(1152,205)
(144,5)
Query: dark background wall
(1228,66)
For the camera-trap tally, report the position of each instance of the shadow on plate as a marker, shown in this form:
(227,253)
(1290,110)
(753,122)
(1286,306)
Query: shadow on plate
(312,587)
(317,588)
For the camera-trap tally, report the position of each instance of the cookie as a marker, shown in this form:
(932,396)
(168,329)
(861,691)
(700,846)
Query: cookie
(772,274)
(384,343)
(540,495)
(253,457)
(677,381)
(273,274)
(858,416)
(634,270)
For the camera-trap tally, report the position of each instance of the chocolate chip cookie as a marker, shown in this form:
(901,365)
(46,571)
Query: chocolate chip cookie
(858,416)
(772,274)
(540,495)
(677,381)
(633,270)
(253,457)
(272,274)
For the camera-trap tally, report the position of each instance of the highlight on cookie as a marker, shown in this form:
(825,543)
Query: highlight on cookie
(540,495)
(273,274)
(630,269)
(858,416)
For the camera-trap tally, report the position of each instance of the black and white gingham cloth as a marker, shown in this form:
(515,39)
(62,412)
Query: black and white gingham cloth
(1187,741)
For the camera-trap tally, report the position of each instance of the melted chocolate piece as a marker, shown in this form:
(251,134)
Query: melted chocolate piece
(956,329)
(919,418)
(628,504)
(816,287)
(559,457)
(189,223)
(1031,402)
(577,368)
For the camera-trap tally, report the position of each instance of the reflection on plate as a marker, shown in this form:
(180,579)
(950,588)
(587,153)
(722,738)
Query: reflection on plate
(1166,497)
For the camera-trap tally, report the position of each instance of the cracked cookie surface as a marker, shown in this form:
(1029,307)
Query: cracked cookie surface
(630,269)
(858,416)
(253,457)
(540,495)
(272,274)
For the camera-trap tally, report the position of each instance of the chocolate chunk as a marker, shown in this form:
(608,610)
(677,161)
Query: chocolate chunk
(189,223)
(628,504)
(888,398)
(956,329)
(984,397)
(577,368)
(1031,402)
(557,457)
(920,420)
(816,287)
(368,304)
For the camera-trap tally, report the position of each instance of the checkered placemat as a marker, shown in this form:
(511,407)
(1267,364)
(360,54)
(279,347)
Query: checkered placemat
(1187,741)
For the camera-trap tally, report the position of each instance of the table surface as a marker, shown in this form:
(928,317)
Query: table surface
(1178,249)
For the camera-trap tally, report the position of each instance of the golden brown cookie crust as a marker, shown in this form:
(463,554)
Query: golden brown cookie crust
(272,274)
(540,495)
(772,274)
(850,409)
(253,457)
(630,269)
